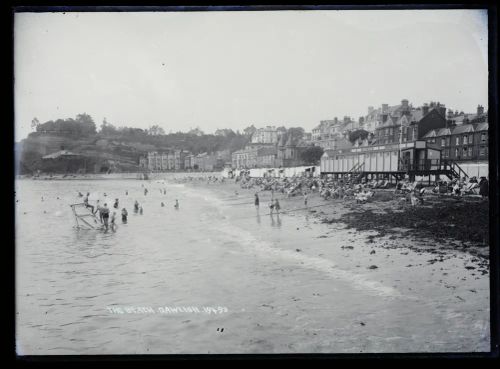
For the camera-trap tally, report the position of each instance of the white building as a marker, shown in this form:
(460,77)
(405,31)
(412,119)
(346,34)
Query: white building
(266,135)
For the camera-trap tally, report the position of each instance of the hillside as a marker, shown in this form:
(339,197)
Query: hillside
(115,151)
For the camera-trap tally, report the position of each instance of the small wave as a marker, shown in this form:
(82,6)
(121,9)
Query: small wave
(267,249)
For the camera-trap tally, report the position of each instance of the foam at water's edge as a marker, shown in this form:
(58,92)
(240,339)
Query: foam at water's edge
(268,249)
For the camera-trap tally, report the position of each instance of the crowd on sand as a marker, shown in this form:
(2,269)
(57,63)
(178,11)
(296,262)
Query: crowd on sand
(327,188)
(350,188)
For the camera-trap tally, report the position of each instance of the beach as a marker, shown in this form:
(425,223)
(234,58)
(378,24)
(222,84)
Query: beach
(220,276)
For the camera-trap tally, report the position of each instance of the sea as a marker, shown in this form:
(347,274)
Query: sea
(219,276)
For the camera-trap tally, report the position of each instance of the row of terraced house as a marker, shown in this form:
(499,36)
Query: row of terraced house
(454,135)
(424,139)
(181,160)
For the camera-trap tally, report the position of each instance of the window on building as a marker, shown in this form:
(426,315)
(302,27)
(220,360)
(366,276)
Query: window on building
(391,131)
(446,153)
(457,153)
(457,140)
(465,140)
(443,142)
(483,137)
(482,151)
(471,139)
(448,140)
(470,151)
(464,154)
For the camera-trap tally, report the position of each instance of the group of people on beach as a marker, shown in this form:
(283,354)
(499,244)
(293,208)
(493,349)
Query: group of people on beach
(108,217)
(274,204)
(104,212)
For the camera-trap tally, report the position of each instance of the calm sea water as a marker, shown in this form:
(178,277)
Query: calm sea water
(241,281)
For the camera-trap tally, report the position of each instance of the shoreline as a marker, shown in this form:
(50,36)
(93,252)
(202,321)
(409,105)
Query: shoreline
(386,215)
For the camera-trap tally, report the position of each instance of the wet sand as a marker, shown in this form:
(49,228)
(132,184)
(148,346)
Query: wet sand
(448,275)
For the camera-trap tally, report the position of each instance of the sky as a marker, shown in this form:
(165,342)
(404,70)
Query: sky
(211,70)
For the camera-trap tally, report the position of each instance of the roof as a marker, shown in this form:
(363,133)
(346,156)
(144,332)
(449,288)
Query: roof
(465,128)
(59,154)
(417,115)
(431,133)
(459,119)
(481,127)
(438,132)
(391,121)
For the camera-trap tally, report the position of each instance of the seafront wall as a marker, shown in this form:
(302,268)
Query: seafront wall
(477,169)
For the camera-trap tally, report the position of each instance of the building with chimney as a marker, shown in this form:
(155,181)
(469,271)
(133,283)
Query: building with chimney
(458,118)
(461,143)
(399,146)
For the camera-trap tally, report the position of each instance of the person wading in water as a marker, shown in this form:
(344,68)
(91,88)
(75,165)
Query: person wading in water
(105,215)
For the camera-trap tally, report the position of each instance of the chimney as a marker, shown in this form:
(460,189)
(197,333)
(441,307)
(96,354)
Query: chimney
(404,103)
(347,119)
(442,110)
(480,110)
(335,120)
(385,108)
(425,109)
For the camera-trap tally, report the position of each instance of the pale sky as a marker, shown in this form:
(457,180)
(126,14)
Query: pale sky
(232,69)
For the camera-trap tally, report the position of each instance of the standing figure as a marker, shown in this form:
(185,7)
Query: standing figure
(86,202)
(257,201)
(176,204)
(116,204)
(99,209)
(136,206)
(483,187)
(124,215)
(113,221)
(104,211)
(277,206)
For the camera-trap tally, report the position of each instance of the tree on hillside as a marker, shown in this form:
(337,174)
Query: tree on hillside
(295,132)
(82,126)
(156,130)
(108,128)
(35,123)
(359,133)
(249,131)
(86,123)
(312,154)
(196,131)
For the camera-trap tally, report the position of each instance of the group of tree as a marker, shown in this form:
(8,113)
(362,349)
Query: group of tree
(195,140)
(82,126)
(359,133)
(312,155)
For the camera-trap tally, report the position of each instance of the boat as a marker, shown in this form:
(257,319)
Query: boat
(84,218)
